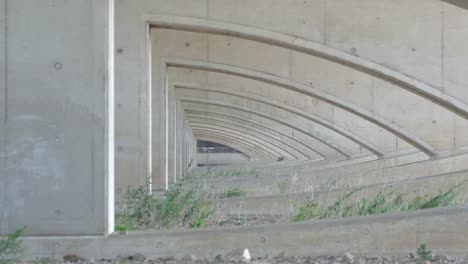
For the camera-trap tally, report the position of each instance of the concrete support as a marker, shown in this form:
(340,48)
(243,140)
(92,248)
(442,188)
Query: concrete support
(56,101)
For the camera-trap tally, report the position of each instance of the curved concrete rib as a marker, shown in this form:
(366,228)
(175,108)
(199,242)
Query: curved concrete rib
(306,90)
(268,153)
(312,48)
(248,142)
(249,96)
(243,128)
(243,134)
(275,119)
(259,154)
(221,117)
(233,144)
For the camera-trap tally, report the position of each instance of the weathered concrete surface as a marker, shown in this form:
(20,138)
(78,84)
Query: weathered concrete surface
(56,145)
(342,178)
(443,229)
(328,194)
(406,79)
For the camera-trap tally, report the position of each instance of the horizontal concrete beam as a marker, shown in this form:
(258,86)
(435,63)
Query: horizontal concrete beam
(445,230)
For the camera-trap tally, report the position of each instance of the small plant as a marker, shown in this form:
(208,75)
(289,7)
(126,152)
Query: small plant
(424,254)
(11,248)
(232,193)
(121,228)
(43,261)
(178,207)
(347,204)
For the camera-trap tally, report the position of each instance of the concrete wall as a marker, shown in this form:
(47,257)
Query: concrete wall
(56,149)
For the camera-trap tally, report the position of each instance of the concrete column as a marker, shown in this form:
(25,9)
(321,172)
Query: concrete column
(171,137)
(56,94)
(3,115)
(179,140)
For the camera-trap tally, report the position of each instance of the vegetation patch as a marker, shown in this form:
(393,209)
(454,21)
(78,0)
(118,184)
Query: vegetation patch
(11,248)
(232,193)
(424,254)
(220,172)
(386,201)
(177,208)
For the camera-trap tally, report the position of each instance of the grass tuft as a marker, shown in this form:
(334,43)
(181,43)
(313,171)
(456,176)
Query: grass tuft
(177,208)
(11,248)
(232,193)
(385,201)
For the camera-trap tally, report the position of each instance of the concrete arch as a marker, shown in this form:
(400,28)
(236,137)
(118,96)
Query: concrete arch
(225,117)
(252,144)
(253,112)
(268,154)
(258,154)
(361,142)
(277,146)
(411,84)
(309,91)
(233,144)
(238,126)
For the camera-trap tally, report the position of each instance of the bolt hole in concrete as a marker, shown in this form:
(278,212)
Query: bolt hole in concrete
(58,66)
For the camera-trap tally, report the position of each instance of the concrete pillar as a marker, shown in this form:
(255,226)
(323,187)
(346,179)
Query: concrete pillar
(171,137)
(56,100)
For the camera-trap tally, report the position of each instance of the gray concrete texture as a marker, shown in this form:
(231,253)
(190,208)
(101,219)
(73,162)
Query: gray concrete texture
(55,168)
(330,85)
(444,230)
(376,92)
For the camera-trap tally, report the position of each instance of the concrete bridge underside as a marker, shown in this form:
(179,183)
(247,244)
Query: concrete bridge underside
(333,82)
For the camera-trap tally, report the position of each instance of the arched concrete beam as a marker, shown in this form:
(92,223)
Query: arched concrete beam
(306,90)
(248,143)
(257,154)
(277,146)
(314,118)
(266,154)
(252,131)
(233,144)
(312,48)
(270,117)
(218,117)
(224,115)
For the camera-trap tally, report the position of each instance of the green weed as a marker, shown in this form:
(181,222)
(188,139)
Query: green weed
(232,193)
(11,248)
(424,254)
(177,208)
(348,204)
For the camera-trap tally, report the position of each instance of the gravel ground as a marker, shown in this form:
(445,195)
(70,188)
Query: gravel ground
(236,257)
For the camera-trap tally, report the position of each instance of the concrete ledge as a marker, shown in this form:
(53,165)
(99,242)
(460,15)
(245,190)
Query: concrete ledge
(278,204)
(445,230)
